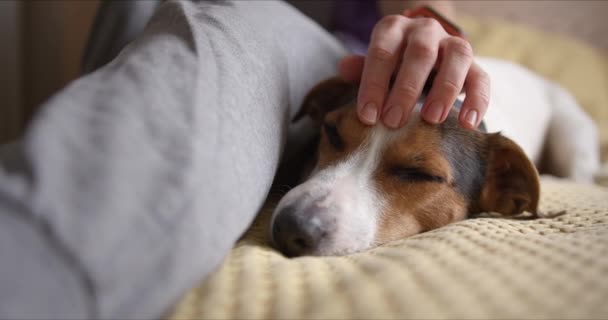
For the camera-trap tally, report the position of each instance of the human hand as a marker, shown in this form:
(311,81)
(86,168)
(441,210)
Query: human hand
(411,49)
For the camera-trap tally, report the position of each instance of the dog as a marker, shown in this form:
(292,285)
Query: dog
(370,185)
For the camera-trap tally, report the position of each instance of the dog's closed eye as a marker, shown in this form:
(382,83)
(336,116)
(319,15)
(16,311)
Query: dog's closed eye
(333,136)
(412,174)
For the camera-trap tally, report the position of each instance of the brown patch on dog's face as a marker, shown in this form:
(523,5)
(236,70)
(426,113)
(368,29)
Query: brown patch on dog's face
(413,175)
(418,183)
(341,134)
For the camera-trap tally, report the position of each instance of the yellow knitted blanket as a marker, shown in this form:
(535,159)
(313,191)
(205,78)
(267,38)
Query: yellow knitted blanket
(478,268)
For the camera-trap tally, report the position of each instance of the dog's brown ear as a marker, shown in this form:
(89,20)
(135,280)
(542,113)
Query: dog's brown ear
(326,96)
(511,184)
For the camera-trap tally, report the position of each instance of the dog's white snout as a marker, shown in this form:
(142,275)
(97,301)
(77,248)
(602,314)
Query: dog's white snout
(345,197)
(327,215)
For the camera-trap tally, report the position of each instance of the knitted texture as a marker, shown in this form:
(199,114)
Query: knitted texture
(480,268)
(477,268)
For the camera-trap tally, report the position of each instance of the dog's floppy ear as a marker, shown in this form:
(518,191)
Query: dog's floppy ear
(326,96)
(511,182)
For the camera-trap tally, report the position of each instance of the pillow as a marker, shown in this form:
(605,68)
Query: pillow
(477,268)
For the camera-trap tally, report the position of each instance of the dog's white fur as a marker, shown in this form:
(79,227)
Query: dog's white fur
(540,116)
(523,106)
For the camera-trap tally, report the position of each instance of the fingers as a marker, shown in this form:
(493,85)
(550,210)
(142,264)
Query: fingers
(475,105)
(457,57)
(418,60)
(350,68)
(385,47)
(416,47)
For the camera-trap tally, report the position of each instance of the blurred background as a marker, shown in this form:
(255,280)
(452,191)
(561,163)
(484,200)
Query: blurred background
(43,41)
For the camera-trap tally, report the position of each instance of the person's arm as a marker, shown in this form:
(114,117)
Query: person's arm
(127,196)
(444,7)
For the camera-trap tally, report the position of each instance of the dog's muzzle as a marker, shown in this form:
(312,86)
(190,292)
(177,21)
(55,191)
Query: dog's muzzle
(301,230)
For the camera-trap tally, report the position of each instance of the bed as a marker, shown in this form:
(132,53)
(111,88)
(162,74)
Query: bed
(134,191)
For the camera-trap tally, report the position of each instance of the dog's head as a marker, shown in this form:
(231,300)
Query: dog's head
(371,185)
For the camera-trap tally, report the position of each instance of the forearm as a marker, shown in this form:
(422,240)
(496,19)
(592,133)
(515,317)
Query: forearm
(444,7)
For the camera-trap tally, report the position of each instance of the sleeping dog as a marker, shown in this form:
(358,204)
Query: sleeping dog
(369,185)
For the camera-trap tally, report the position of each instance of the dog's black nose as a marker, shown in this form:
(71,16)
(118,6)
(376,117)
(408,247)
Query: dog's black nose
(299,232)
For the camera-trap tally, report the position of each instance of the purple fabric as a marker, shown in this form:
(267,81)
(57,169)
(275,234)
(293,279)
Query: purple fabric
(352,21)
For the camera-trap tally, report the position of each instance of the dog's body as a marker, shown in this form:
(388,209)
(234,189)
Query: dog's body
(542,118)
(371,185)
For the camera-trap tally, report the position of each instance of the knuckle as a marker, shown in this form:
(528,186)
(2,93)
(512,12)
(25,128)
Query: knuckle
(375,86)
(484,80)
(480,87)
(429,23)
(405,91)
(389,27)
(391,21)
(381,55)
(483,94)
(484,99)
(460,47)
(448,85)
(423,49)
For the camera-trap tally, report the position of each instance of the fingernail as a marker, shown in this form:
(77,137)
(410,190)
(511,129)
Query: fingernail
(471,117)
(369,113)
(433,112)
(392,117)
